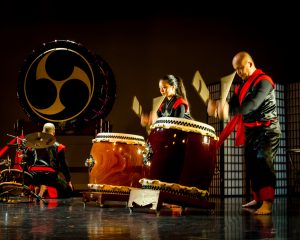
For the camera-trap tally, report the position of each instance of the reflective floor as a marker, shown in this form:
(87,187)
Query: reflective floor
(72,219)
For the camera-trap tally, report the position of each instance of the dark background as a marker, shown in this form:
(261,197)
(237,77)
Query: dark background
(142,41)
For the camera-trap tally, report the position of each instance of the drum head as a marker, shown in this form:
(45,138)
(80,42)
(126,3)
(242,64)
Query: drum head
(119,138)
(64,83)
(185,125)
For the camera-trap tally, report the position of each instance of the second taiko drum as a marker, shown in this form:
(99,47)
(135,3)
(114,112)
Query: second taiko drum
(181,151)
(116,159)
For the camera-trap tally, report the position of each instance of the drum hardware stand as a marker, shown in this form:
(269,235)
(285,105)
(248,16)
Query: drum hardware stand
(102,197)
(20,148)
(24,187)
(104,194)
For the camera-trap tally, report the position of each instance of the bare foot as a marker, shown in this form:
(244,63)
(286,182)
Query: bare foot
(253,203)
(265,209)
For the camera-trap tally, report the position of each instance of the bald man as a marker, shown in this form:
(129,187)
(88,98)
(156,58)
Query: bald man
(253,106)
(54,157)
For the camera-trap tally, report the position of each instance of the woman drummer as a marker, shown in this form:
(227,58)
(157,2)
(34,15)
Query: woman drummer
(175,103)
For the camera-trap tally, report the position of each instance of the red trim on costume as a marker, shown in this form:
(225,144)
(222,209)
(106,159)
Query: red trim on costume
(181,101)
(40,168)
(267,194)
(254,78)
(237,120)
(176,104)
(264,194)
(236,89)
(60,147)
(257,124)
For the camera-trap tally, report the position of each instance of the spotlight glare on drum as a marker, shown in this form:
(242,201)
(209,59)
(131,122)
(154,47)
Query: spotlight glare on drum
(183,140)
(206,140)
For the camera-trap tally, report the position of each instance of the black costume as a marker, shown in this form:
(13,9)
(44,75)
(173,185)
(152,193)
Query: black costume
(47,167)
(254,106)
(175,107)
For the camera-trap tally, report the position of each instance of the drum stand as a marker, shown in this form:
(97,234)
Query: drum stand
(105,199)
(156,200)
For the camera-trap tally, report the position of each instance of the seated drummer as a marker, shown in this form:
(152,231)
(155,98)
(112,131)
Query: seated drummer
(53,158)
(174,104)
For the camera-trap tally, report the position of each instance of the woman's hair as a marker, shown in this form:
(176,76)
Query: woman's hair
(177,82)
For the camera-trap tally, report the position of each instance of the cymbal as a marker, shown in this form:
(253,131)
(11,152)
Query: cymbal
(39,140)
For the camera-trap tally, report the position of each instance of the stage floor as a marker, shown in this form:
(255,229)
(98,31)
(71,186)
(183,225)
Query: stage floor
(72,219)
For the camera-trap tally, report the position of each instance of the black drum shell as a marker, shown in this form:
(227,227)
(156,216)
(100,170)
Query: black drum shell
(183,157)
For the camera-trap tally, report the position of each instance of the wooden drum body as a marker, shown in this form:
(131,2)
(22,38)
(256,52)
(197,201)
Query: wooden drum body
(182,151)
(116,159)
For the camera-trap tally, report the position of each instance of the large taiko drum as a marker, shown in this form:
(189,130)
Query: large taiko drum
(55,74)
(116,159)
(182,151)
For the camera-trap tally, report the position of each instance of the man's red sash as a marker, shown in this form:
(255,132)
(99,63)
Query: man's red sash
(237,121)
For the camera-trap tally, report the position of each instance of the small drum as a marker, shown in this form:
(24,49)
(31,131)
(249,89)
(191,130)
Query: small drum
(116,159)
(14,180)
(182,151)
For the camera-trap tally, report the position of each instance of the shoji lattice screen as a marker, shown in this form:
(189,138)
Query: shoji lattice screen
(216,188)
(293,136)
(280,161)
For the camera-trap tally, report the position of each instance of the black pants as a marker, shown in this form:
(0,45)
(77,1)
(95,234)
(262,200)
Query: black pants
(260,152)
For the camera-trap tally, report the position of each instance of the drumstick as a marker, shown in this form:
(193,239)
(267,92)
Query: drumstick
(136,107)
(201,87)
(156,103)
(226,82)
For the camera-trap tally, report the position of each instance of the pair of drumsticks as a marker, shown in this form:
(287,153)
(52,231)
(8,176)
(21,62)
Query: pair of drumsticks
(215,108)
